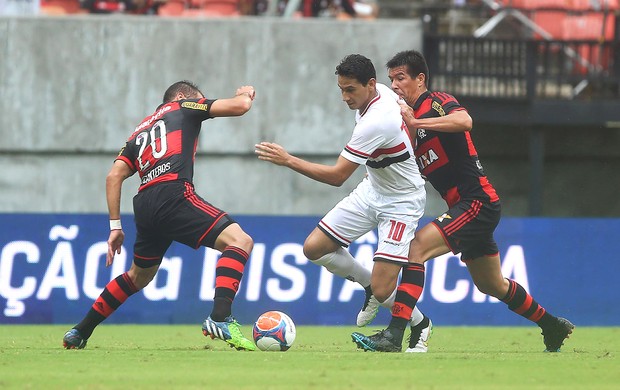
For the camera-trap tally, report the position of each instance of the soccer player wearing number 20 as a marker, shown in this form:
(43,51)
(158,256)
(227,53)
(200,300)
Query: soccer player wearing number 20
(166,209)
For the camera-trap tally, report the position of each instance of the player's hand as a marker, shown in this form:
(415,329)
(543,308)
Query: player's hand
(247,90)
(272,152)
(407,113)
(115,242)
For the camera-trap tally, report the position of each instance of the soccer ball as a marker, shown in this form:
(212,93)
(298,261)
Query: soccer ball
(274,331)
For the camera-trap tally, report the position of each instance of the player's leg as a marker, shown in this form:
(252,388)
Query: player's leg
(195,222)
(324,251)
(147,258)
(236,246)
(343,224)
(428,242)
(486,274)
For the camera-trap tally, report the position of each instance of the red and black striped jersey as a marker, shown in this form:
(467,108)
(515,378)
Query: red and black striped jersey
(163,146)
(449,160)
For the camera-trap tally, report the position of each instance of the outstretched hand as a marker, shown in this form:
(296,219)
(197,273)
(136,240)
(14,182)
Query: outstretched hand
(246,90)
(115,241)
(272,152)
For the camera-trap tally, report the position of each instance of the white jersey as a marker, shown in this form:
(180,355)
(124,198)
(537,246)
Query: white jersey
(381,141)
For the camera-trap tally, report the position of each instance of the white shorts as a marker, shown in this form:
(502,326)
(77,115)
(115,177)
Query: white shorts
(395,217)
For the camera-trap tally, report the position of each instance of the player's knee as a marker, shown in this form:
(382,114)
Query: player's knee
(243,241)
(312,253)
(381,292)
(141,277)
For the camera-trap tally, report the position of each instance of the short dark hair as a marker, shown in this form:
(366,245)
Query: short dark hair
(358,67)
(413,60)
(185,87)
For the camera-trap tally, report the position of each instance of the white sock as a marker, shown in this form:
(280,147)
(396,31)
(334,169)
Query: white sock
(416,315)
(341,263)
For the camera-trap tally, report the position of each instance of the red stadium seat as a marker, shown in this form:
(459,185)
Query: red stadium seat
(61,7)
(214,8)
(590,27)
(586,5)
(171,8)
(535,4)
(550,21)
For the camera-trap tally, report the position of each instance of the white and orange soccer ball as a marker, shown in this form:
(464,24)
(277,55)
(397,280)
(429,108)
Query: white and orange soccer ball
(274,331)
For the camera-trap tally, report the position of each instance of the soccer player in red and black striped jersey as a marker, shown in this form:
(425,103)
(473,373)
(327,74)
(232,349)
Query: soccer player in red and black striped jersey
(440,130)
(162,149)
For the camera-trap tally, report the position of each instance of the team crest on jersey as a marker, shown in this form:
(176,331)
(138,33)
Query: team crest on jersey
(421,133)
(444,216)
(195,106)
(437,107)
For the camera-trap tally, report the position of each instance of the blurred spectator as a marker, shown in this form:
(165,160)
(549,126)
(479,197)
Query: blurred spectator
(121,6)
(340,9)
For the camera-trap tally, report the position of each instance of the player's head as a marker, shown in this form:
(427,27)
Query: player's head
(182,90)
(357,80)
(408,72)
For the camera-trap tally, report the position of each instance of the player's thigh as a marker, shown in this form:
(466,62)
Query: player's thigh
(395,233)
(348,220)
(428,243)
(384,278)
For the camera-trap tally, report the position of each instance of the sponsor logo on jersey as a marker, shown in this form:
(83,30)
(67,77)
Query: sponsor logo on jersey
(444,216)
(195,106)
(430,155)
(147,122)
(437,107)
(156,172)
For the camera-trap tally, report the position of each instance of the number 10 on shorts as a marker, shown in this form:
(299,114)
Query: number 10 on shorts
(396,230)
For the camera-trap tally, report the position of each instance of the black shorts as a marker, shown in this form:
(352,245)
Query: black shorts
(468,228)
(172,211)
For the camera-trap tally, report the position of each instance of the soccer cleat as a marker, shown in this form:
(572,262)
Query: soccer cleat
(382,341)
(418,339)
(73,340)
(227,330)
(555,335)
(369,310)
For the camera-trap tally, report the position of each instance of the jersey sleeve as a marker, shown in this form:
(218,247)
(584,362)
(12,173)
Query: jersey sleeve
(127,156)
(199,109)
(366,138)
(448,103)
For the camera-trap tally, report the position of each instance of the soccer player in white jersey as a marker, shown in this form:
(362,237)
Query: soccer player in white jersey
(391,197)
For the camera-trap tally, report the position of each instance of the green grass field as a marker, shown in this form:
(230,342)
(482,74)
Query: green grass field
(180,357)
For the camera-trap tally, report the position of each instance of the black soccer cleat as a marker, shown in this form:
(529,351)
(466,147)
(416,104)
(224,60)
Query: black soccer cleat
(554,335)
(382,341)
(73,340)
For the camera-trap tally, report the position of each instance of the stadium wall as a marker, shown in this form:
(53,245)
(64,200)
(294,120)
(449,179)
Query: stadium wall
(73,88)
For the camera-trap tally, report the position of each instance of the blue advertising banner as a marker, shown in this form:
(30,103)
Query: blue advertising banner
(52,268)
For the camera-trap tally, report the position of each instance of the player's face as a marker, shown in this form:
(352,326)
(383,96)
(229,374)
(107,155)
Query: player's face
(406,87)
(356,95)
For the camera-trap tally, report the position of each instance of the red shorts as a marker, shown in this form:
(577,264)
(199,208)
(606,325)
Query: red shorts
(468,228)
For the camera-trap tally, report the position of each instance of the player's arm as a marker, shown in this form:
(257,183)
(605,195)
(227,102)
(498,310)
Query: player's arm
(113,185)
(454,122)
(234,106)
(333,175)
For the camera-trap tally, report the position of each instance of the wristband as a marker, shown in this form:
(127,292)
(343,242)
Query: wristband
(115,224)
